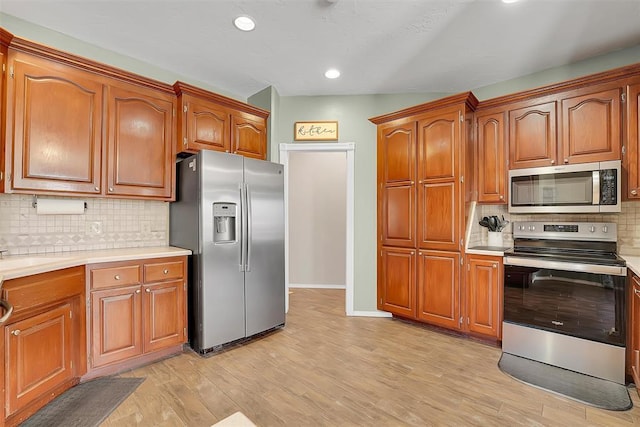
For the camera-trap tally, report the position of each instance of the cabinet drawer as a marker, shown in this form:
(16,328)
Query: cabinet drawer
(115,276)
(29,292)
(161,271)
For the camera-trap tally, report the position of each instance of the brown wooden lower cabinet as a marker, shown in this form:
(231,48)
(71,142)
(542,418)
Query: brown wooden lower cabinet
(484,295)
(439,288)
(44,340)
(397,281)
(138,312)
(429,286)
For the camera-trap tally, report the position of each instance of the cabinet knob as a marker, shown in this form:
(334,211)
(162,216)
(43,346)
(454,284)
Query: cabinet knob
(96,189)
(566,160)
(165,271)
(16,332)
(413,182)
(553,162)
(227,151)
(138,291)
(147,290)
(501,197)
(634,192)
(117,277)
(495,265)
(110,189)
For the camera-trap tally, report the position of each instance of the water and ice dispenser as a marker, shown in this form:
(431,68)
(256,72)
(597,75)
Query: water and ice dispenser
(224,222)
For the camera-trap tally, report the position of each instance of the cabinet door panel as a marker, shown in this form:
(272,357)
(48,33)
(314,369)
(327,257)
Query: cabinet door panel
(398,216)
(439,146)
(484,289)
(116,317)
(163,314)
(397,281)
(491,161)
(248,136)
(439,288)
(140,159)
(532,136)
(438,215)
(633,136)
(396,153)
(56,121)
(38,353)
(207,125)
(591,127)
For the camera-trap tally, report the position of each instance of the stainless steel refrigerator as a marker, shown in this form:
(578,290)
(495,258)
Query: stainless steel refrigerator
(229,211)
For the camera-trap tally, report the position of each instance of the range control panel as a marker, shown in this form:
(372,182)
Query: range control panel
(598,231)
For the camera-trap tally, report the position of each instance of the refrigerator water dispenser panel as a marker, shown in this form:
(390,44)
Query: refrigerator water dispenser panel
(224,222)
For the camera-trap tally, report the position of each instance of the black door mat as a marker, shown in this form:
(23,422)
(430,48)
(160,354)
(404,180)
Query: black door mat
(583,388)
(87,404)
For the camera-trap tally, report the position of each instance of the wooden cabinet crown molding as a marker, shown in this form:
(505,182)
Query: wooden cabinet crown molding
(185,88)
(33,48)
(5,37)
(467,98)
(607,76)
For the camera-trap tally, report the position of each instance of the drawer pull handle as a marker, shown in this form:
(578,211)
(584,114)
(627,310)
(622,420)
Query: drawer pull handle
(165,271)
(16,332)
(147,290)
(9,309)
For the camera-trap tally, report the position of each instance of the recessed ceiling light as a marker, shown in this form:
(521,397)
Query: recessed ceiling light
(332,73)
(244,23)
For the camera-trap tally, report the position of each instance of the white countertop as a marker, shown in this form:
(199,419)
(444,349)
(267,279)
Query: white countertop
(633,263)
(486,250)
(26,265)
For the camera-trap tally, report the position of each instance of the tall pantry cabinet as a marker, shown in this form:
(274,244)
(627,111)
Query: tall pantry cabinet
(422,156)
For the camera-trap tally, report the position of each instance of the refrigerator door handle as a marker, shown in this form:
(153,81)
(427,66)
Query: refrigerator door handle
(249,228)
(243,216)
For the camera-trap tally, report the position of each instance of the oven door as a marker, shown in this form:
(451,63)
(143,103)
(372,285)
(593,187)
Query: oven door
(581,300)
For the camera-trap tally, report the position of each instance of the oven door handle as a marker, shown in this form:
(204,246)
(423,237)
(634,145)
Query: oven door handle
(556,265)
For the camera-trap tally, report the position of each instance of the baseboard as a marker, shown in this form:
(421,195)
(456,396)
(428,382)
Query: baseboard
(316,286)
(370,313)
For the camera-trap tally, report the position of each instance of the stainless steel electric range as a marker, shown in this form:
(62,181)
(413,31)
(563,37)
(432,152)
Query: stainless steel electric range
(564,297)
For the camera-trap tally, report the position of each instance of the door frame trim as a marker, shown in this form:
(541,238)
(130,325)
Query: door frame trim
(344,147)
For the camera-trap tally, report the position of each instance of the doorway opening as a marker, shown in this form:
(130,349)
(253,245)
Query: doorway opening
(287,153)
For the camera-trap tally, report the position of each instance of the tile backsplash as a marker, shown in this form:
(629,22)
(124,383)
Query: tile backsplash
(106,224)
(628,223)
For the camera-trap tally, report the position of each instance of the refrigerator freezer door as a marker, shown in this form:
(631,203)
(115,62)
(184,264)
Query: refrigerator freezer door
(264,278)
(221,295)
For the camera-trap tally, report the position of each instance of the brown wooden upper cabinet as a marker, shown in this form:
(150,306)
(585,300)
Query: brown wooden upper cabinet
(532,136)
(208,121)
(577,126)
(632,159)
(439,151)
(54,126)
(491,150)
(74,126)
(140,142)
(396,183)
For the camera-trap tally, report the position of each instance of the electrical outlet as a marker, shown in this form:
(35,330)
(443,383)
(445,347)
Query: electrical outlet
(94,227)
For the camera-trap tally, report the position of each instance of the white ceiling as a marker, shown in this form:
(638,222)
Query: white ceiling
(380,46)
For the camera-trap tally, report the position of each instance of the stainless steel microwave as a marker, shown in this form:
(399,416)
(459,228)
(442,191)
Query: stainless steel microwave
(585,187)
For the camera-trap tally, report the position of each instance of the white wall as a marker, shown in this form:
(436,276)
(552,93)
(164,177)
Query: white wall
(317,220)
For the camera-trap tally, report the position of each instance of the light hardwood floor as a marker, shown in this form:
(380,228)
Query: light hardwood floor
(326,369)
